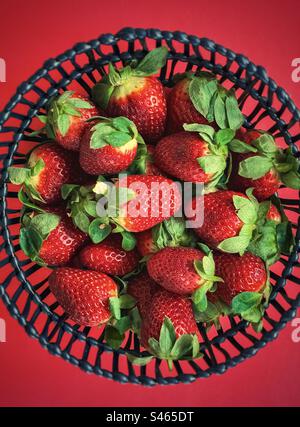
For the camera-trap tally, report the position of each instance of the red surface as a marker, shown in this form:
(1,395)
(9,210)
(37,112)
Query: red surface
(30,32)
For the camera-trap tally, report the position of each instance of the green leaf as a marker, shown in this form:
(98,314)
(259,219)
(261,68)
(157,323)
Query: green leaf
(98,231)
(97,140)
(246,210)
(122,124)
(82,221)
(224,136)
(90,207)
(64,97)
(139,361)
(265,144)
(113,337)
(246,301)
(67,189)
(79,103)
(199,298)
(101,94)
(212,164)
(253,315)
(126,301)
(200,95)
(114,306)
(136,320)
(70,110)
(128,241)
(208,264)
(167,337)
(234,115)
(182,346)
(233,245)
(255,167)
(31,242)
(220,114)
(44,223)
(18,175)
(117,139)
(202,129)
(152,62)
(291,179)
(285,238)
(27,202)
(38,167)
(42,118)
(238,146)
(123,324)
(63,123)
(264,243)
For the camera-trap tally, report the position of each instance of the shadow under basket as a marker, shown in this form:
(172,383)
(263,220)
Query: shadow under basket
(24,288)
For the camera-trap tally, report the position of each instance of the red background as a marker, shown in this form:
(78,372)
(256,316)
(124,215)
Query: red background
(32,31)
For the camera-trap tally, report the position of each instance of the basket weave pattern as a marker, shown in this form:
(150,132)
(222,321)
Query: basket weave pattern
(24,288)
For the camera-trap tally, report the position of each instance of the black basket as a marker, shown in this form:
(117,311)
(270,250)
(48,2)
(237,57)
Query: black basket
(24,287)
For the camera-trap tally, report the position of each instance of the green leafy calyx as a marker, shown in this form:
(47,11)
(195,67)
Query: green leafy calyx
(115,132)
(152,62)
(214,102)
(168,347)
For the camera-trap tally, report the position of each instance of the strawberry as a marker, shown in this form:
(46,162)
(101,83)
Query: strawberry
(132,204)
(171,232)
(49,166)
(142,288)
(273,214)
(260,164)
(198,155)
(184,271)
(50,238)
(152,200)
(83,294)
(66,120)
(229,220)
(201,99)
(145,243)
(108,146)
(169,330)
(133,92)
(109,257)
(245,284)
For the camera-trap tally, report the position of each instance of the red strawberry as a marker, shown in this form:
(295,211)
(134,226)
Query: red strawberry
(273,214)
(142,288)
(109,257)
(49,167)
(66,119)
(108,146)
(83,294)
(134,93)
(194,157)
(145,243)
(171,232)
(181,109)
(229,219)
(260,164)
(245,273)
(154,199)
(169,330)
(50,238)
(183,271)
(200,99)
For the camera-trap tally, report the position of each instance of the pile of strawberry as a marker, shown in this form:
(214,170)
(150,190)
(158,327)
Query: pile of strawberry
(152,274)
